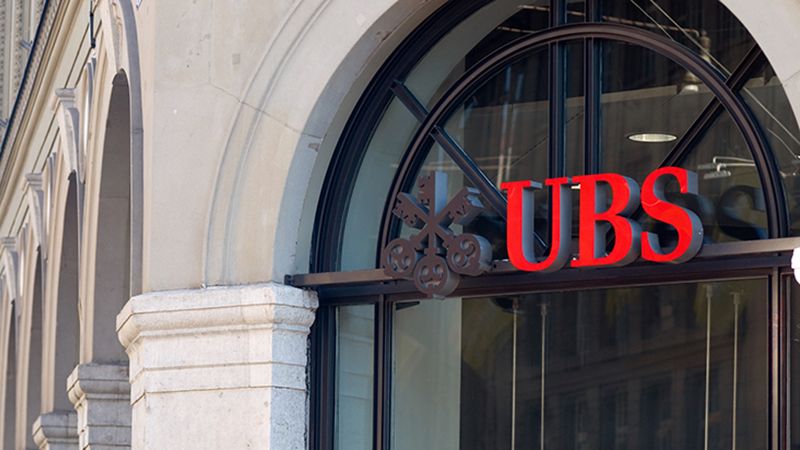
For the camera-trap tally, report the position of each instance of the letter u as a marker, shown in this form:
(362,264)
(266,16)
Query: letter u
(520,230)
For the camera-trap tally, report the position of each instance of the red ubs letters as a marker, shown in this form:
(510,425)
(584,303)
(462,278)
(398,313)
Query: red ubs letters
(629,240)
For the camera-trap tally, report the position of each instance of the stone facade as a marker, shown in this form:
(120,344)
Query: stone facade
(158,178)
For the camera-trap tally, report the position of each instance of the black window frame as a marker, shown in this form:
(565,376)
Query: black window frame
(768,258)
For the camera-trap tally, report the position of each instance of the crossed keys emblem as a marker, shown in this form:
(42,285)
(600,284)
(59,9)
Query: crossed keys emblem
(434,258)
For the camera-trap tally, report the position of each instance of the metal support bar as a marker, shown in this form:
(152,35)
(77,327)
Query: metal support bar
(572,279)
(556,166)
(410,101)
(592,92)
(471,170)
(783,247)
(557,84)
(754,58)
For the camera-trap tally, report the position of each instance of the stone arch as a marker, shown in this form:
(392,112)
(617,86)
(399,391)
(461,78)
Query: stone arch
(8,351)
(29,355)
(118,53)
(108,231)
(62,328)
(255,222)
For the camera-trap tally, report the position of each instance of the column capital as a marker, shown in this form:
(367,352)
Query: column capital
(101,395)
(200,358)
(57,430)
(108,381)
(170,312)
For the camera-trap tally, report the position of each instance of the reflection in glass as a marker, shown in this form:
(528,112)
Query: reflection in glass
(354,377)
(731,201)
(643,93)
(705,26)
(658,367)
(767,99)
(488,29)
(503,123)
(362,224)
(731,204)
(427,366)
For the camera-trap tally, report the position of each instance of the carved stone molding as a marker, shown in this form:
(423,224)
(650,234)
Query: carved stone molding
(57,430)
(68,118)
(85,105)
(11,263)
(35,185)
(24,92)
(101,395)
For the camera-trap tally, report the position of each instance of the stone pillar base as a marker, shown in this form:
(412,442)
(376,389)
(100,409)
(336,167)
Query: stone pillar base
(219,368)
(101,395)
(56,431)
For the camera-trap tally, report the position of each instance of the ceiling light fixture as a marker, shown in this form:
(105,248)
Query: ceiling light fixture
(652,138)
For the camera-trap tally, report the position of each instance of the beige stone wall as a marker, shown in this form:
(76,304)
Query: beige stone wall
(256,95)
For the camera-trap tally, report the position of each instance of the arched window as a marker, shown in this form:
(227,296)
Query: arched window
(428,336)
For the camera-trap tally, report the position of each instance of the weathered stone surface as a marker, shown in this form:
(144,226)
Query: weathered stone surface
(101,395)
(57,430)
(220,367)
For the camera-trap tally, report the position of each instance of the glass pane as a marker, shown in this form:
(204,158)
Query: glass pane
(765,95)
(731,204)
(704,26)
(503,124)
(355,343)
(648,102)
(427,376)
(658,367)
(576,11)
(488,29)
(362,224)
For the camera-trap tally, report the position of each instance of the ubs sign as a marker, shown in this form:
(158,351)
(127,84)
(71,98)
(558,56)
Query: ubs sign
(435,257)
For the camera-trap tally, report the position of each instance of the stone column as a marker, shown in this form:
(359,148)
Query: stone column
(56,431)
(222,367)
(101,395)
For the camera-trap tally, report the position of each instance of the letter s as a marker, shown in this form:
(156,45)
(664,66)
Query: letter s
(685,221)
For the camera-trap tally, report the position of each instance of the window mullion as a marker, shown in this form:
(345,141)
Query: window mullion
(592,92)
(592,89)
(323,362)
(556,160)
(557,84)
(382,367)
